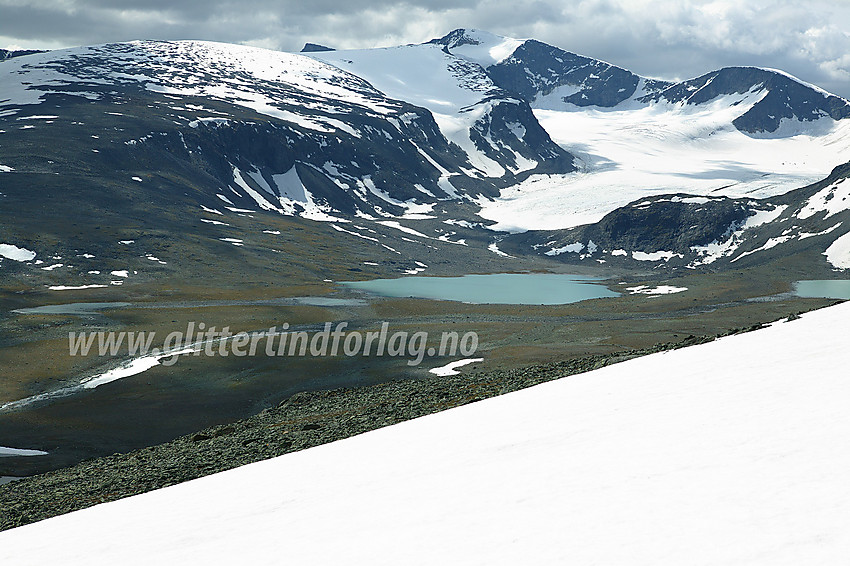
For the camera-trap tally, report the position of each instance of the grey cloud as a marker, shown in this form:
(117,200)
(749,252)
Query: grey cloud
(668,39)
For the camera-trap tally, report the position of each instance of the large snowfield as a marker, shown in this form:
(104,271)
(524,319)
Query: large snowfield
(732,452)
(629,153)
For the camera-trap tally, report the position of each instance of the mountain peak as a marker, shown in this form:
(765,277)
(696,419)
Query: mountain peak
(315,48)
(781,97)
(464,36)
(479,46)
(775,76)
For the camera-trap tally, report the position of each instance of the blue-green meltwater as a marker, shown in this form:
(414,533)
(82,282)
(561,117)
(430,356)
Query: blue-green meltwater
(498,288)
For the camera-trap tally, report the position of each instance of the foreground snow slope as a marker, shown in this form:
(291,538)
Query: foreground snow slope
(733,452)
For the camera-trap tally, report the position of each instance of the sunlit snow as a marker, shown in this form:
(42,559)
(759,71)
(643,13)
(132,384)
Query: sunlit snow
(634,151)
(452,368)
(16,253)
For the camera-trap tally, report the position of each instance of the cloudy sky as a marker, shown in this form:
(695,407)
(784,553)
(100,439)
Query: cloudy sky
(672,39)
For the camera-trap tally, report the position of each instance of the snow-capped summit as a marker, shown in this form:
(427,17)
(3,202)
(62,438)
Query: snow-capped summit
(480,46)
(780,96)
(494,127)
(313,47)
(533,70)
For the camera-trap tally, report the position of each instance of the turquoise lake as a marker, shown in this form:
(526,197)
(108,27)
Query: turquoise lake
(824,288)
(498,288)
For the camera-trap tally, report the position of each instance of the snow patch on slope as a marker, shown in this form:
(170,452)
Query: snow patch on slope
(838,254)
(659,290)
(452,368)
(5,451)
(291,195)
(832,200)
(15,253)
(655,256)
(735,236)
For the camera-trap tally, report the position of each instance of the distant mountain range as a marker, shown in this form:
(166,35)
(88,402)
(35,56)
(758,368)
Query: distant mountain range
(463,140)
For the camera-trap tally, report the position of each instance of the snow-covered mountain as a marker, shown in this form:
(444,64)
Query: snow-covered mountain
(494,127)
(546,75)
(781,97)
(361,150)
(471,130)
(694,231)
(731,452)
(550,77)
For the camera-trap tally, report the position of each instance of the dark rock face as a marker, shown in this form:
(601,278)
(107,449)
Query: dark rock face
(6,54)
(508,128)
(273,148)
(665,224)
(510,124)
(315,48)
(536,68)
(455,38)
(784,98)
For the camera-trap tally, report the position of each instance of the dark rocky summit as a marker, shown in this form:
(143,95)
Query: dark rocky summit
(7,54)
(315,48)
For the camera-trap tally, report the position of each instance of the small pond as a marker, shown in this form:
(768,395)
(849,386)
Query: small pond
(498,288)
(823,289)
